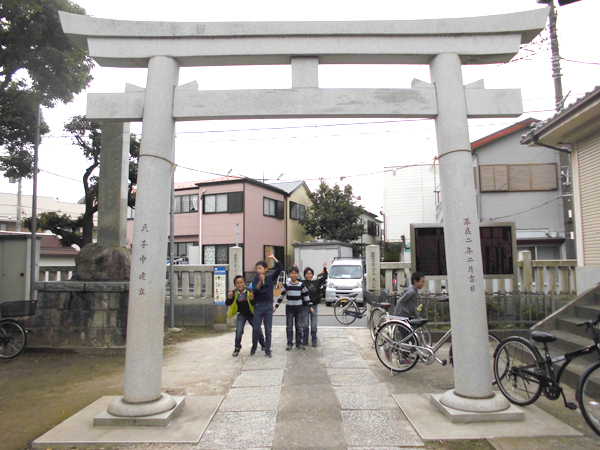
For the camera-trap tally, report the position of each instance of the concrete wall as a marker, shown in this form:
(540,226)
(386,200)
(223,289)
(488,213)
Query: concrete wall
(80,314)
(408,198)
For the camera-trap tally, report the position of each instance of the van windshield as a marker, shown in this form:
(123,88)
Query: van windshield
(345,272)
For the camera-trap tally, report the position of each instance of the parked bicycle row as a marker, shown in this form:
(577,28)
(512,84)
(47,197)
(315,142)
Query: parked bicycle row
(521,371)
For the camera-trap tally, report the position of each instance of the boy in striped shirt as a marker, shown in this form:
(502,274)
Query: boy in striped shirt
(297,296)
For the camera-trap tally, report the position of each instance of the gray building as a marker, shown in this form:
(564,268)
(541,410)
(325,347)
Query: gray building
(519,184)
(578,127)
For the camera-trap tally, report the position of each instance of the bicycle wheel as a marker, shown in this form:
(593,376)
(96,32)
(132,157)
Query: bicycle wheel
(345,311)
(516,364)
(588,395)
(388,336)
(375,319)
(493,342)
(12,339)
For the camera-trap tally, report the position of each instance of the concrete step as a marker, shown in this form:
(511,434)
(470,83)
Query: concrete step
(569,325)
(588,312)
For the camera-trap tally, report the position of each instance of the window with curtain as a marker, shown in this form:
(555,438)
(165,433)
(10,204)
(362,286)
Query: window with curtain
(231,202)
(297,211)
(272,208)
(185,203)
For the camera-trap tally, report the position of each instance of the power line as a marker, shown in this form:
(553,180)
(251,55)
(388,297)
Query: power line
(580,62)
(527,210)
(62,176)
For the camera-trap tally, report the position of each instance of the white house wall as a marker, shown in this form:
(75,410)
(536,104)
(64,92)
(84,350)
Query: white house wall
(409,197)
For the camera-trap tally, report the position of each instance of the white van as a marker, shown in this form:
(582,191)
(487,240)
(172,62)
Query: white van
(346,277)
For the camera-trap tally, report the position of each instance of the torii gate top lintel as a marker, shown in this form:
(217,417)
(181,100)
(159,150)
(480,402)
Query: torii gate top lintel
(117,43)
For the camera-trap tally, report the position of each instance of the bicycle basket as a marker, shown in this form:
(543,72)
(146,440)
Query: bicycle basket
(18,309)
(374,299)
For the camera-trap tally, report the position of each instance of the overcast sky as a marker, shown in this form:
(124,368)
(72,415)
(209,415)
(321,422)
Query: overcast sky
(340,150)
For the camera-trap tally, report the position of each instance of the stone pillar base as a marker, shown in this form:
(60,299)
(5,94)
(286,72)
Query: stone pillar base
(122,408)
(461,410)
(162,419)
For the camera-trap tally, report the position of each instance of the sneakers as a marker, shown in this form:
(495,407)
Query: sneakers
(252,351)
(236,352)
(314,344)
(305,343)
(262,347)
(268,353)
(300,347)
(289,347)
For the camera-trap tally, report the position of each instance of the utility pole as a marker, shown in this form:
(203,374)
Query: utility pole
(558,96)
(34,266)
(19,191)
(564,158)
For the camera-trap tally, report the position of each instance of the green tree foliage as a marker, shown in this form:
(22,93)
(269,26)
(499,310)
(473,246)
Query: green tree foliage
(38,65)
(79,231)
(68,229)
(334,214)
(392,255)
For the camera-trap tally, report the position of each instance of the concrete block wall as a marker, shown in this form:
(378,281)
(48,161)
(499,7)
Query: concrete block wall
(79,314)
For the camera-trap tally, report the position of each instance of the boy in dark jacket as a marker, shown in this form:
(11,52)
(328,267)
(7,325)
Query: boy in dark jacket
(241,302)
(262,288)
(314,287)
(408,303)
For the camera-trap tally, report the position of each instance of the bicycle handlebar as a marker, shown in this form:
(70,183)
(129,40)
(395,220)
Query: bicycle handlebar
(591,325)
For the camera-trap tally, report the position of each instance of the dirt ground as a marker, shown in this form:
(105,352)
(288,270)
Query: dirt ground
(40,390)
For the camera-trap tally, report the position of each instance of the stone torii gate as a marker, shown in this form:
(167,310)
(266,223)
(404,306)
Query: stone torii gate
(443,44)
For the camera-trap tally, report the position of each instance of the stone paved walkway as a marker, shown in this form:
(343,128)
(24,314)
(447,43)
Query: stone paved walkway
(305,398)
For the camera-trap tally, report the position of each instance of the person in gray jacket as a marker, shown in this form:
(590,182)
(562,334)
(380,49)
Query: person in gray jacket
(409,302)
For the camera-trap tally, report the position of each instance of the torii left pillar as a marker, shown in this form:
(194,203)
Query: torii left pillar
(143,360)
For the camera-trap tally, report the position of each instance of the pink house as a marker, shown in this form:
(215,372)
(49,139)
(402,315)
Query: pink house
(211,216)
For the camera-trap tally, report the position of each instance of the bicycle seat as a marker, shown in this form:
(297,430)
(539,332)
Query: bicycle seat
(542,336)
(385,305)
(416,323)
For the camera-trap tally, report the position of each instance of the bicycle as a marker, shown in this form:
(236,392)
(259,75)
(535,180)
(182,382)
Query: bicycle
(13,335)
(523,374)
(399,345)
(381,314)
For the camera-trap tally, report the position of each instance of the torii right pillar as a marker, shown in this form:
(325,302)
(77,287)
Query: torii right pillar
(472,365)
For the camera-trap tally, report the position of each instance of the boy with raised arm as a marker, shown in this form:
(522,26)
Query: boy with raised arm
(262,288)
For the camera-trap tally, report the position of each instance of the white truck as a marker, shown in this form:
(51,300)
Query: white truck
(313,253)
(346,278)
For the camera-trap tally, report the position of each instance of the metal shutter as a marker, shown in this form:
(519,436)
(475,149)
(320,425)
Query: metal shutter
(588,161)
